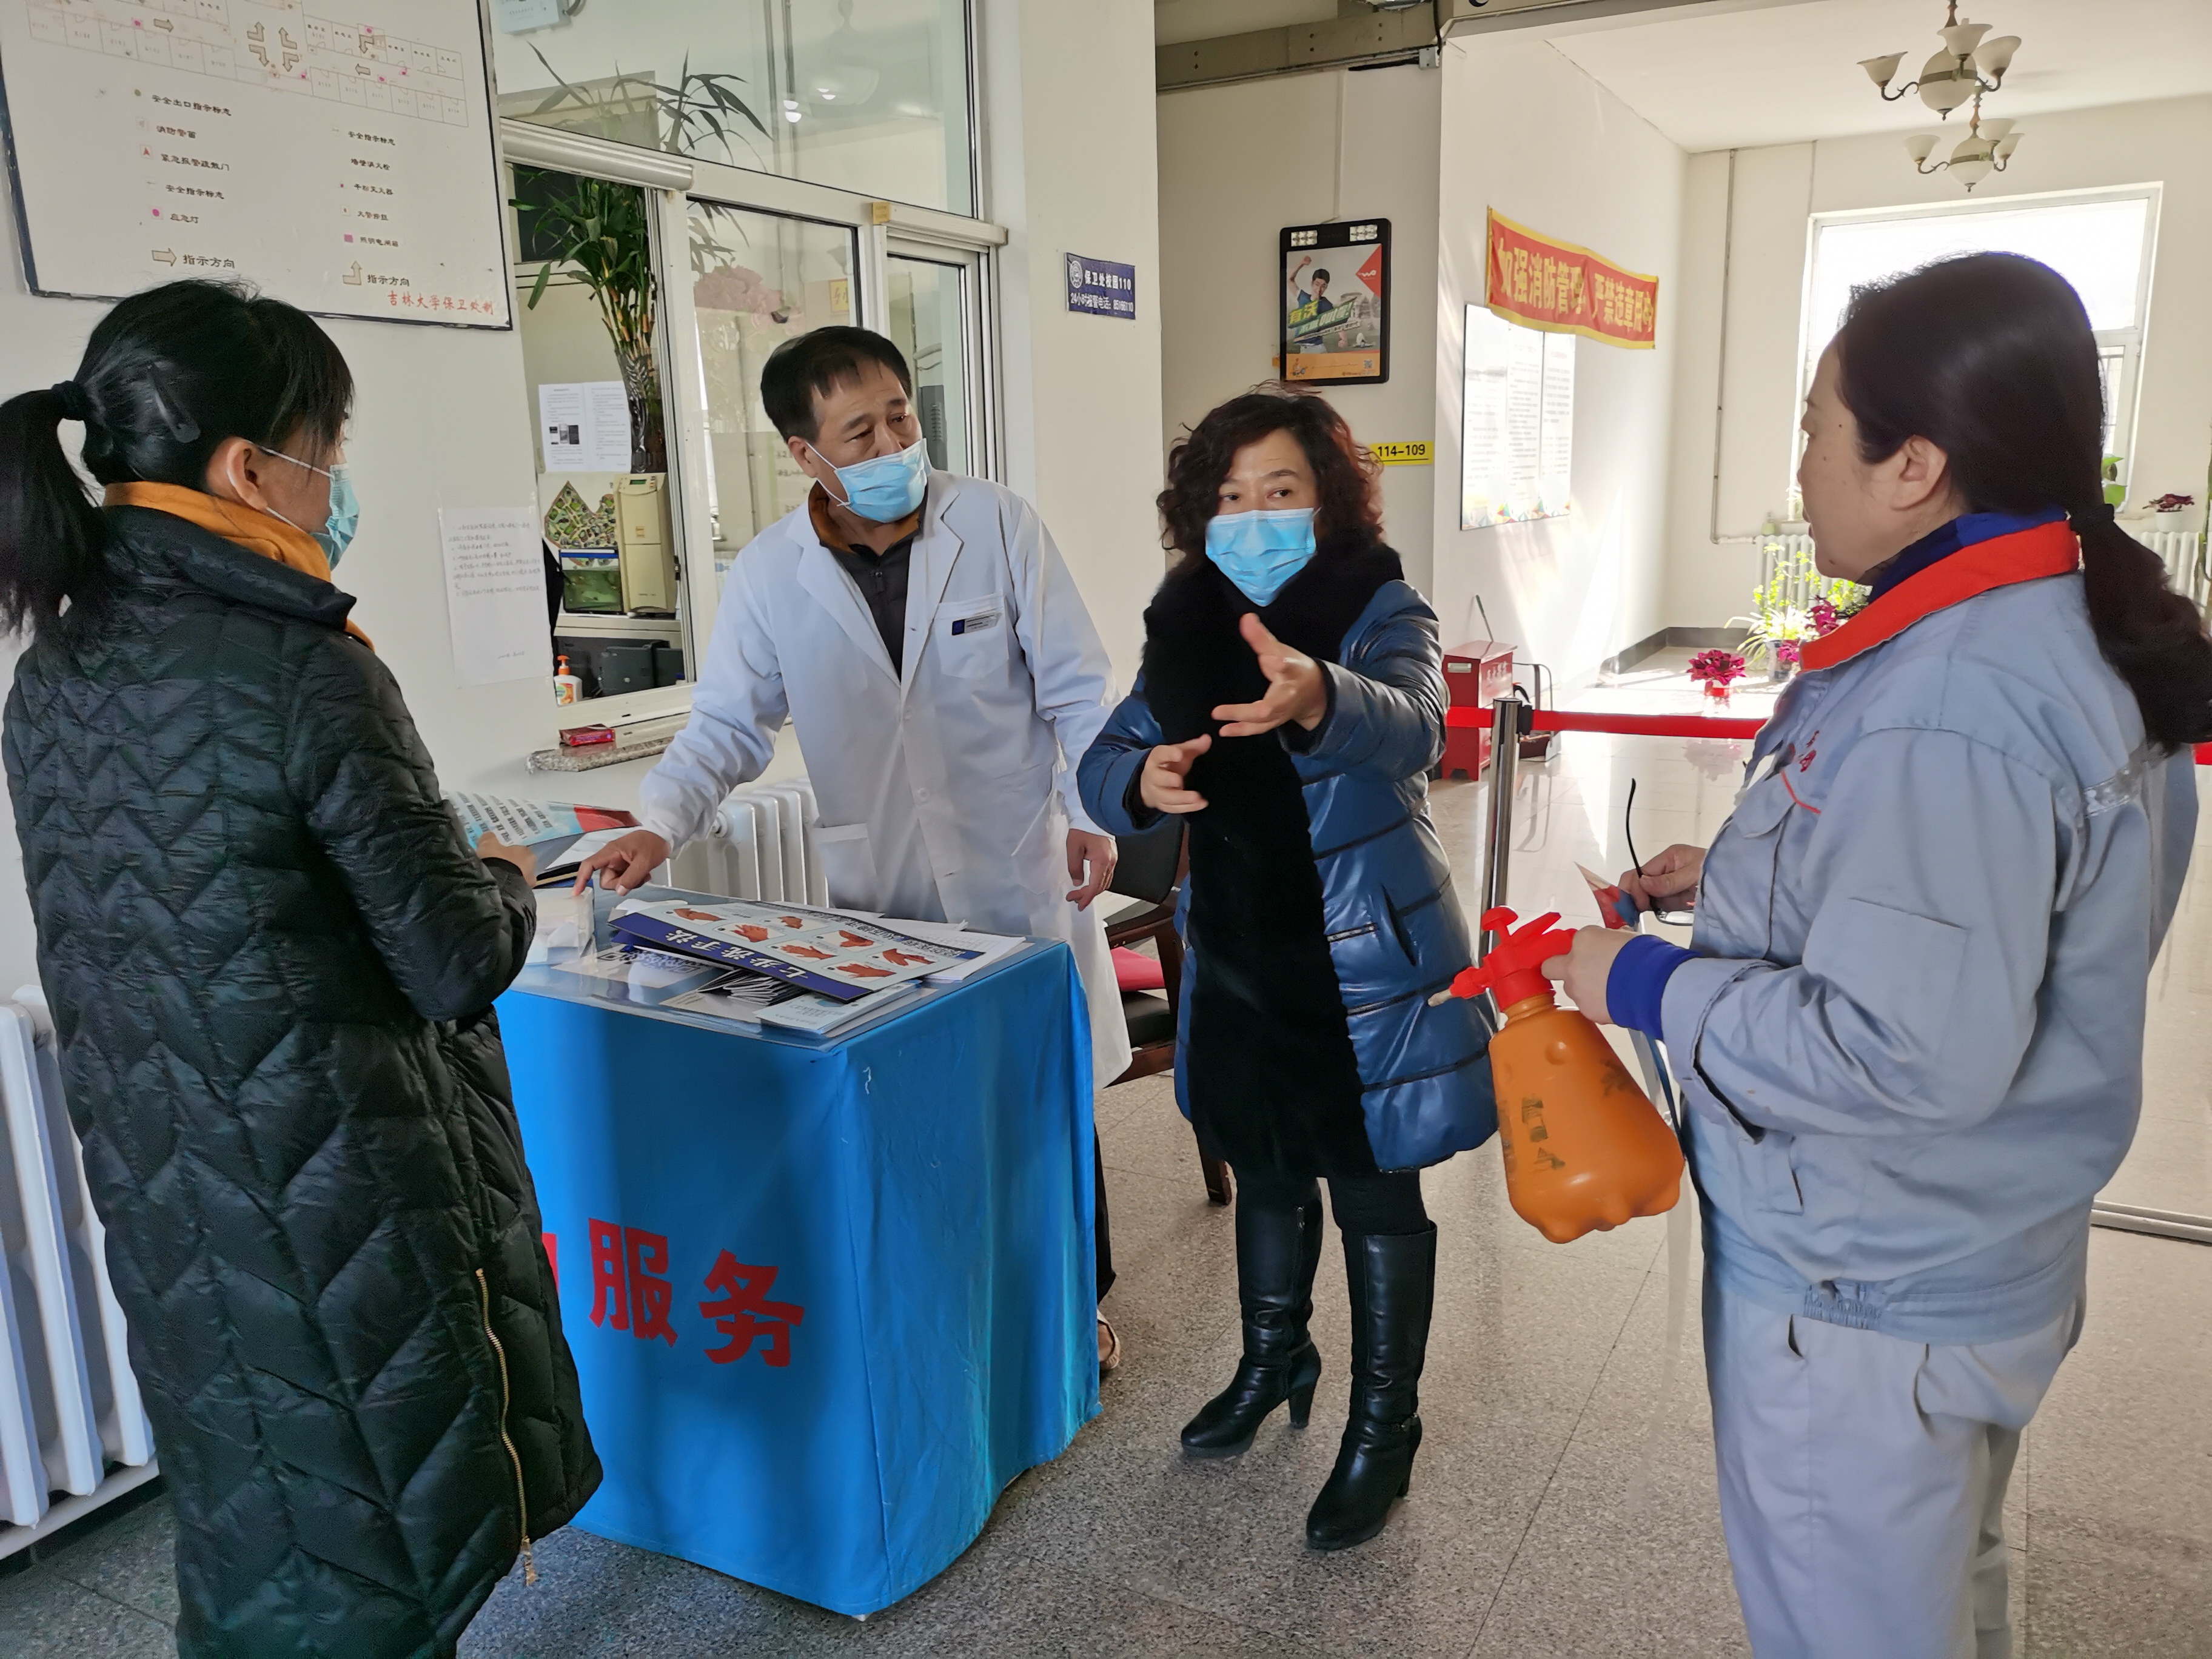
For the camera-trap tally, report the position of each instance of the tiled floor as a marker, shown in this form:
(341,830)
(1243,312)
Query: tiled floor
(1523,1537)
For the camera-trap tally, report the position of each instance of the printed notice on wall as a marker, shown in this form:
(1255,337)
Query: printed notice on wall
(584,425)
(342,158)
(496,593)
(1518,426)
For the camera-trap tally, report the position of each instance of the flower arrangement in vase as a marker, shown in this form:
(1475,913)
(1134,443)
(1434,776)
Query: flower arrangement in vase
(1716,669)
(1797,605)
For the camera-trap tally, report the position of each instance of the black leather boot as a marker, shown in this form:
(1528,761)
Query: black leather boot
(1394,1288)
(1277,1252)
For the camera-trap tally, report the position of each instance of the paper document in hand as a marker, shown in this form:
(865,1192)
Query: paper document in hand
(837,956)
(559,836)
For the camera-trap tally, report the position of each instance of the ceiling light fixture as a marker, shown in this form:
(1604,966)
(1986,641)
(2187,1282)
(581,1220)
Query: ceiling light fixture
(845,77)
(1967,67)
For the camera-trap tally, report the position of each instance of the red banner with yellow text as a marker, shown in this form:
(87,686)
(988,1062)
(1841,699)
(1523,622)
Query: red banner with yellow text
(1565,290)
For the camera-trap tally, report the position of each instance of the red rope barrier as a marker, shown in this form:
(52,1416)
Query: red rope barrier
(1649,726)
(1631,725)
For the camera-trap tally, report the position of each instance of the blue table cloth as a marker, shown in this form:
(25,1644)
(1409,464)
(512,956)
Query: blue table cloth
(826,1298)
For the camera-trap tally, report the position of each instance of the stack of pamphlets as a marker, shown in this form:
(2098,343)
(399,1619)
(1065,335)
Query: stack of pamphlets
(560,836)
(789,965)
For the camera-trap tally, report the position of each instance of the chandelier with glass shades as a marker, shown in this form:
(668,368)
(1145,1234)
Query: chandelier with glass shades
(1967,67)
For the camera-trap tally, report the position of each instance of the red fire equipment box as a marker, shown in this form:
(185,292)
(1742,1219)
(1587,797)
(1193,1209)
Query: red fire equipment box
(1476,675)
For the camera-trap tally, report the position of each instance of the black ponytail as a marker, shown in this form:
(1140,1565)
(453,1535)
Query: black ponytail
(1990,357)
(167,376)
(50,531)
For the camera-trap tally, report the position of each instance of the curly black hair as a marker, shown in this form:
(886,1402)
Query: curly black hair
(1345,472)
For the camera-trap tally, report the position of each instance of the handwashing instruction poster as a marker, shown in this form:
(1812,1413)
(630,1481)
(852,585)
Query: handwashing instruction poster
(342,158)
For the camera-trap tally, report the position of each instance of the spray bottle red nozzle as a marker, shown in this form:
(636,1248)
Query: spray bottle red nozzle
(1513,968)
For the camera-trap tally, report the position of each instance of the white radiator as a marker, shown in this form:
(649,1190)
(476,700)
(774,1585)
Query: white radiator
(73,1433)
(761,846)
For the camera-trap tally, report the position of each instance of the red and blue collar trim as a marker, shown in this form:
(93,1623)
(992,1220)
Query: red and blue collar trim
(2024,556)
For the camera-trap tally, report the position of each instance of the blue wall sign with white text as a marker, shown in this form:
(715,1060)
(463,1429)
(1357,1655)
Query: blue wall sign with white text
(1101,287)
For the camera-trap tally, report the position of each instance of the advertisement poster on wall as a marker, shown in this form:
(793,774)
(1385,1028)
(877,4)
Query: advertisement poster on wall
(1335,298)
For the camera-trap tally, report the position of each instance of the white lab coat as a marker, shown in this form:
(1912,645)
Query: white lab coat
(946,793)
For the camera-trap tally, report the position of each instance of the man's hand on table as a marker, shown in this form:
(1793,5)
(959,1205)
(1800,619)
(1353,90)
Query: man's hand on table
(624,864)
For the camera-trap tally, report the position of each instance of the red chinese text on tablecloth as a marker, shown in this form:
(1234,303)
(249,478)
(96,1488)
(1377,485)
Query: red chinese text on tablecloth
(743,1314)
(630,1291)
(629,1285)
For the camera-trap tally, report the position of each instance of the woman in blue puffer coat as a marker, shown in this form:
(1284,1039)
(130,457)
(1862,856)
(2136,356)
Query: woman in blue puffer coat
(1292,703)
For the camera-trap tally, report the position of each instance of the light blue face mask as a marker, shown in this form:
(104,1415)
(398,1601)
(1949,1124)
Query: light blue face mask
(1260,551)
(884,488)
(344,517)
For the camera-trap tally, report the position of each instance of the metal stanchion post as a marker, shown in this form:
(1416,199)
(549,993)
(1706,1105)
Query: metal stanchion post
(1505,715)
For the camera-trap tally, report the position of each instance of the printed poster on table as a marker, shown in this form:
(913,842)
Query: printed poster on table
(342,158)
(1335,300)
(838,956)
(1560,289)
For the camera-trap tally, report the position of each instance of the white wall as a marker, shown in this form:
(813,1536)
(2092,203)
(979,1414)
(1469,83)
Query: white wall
(438,422)
(1236,164)
(1778,187)
(441,420)
(1526,132)
(1068,168)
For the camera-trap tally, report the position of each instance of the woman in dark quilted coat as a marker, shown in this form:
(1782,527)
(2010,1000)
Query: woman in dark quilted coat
(271,960)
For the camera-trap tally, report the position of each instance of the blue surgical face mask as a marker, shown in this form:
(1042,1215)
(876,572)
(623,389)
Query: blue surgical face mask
(344,516)
(884,488)
(1260,551)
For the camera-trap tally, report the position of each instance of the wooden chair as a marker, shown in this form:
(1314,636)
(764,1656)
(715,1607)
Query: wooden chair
(1151,867)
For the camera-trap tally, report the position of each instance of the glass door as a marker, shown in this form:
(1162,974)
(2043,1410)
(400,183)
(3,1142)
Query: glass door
(930,312)
(757,279)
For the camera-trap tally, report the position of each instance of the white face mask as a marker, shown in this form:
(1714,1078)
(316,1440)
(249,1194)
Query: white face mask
(884,488)
(344,515)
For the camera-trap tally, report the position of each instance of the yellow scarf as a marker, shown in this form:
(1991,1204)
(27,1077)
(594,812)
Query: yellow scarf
(236,523)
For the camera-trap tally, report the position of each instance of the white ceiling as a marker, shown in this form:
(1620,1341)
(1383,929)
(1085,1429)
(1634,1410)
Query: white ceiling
(1789,72)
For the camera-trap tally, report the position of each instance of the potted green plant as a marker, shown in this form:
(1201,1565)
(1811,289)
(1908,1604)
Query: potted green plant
(637,109)
(595,230)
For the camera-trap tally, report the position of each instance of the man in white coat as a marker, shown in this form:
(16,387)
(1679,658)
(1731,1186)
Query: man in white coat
(921,631)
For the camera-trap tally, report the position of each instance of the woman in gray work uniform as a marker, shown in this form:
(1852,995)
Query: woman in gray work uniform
(1910,1027)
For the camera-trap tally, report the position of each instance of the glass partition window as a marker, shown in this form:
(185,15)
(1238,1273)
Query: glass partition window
(927,311)
(588,305)
(757,279)
(869,96)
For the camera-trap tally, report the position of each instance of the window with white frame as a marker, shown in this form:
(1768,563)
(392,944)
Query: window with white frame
(2101,243)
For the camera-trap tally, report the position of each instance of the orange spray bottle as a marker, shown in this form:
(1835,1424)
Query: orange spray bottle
(1584,1146)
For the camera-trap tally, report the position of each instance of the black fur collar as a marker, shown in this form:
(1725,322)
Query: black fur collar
(1195,659)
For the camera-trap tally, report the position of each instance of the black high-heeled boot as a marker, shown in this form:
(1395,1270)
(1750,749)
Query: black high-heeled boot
(1394,1288)
(1277,1252)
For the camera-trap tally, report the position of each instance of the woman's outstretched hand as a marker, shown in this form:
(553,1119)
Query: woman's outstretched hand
(1668,880)
(1296,690)
(1160,784)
